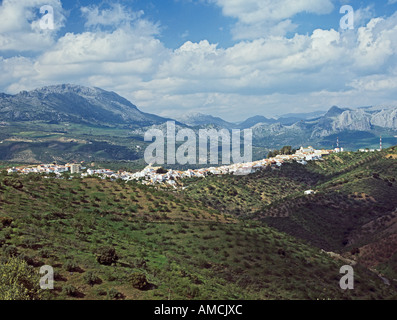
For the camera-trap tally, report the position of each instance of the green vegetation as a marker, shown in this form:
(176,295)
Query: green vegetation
(245,195)
(107,256)
(354,205)
(229,237)
(18,280)
(43,142)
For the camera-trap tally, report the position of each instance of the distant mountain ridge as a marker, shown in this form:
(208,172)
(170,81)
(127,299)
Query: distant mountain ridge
(73,103)
(250,122)
(303,116)
(97,107)
(198,119)
(334,112)
(316,124)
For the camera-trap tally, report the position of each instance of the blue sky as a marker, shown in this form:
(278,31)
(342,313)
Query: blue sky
(228,58)
(197,20)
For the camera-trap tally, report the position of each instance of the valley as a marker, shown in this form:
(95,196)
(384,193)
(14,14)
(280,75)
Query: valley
(223,237)
(281,232)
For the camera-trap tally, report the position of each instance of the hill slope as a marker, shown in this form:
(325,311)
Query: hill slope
(354,205)
(167,246)
(199,119)
(72,103)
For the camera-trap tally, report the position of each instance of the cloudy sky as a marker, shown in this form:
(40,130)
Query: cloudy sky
(228,58)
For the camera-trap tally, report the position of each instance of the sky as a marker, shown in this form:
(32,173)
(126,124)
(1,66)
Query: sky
(229,58)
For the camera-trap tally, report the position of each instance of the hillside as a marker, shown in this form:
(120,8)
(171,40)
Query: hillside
(69,122)
(354,205)
(41,142)
(76,104)
(199,119)
(167,246)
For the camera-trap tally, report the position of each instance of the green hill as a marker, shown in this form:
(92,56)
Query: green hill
(354,205)
(111,240)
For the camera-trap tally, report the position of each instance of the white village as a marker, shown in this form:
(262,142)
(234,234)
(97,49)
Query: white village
(152,175)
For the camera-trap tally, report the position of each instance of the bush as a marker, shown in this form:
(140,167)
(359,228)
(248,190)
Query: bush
(6,221)
(70,266)
(27,258)
(139,263)
(91,278)
(69,290)
(281,252)
(18,281)
(100,292)
(10,250)
(161,171)
(203,263)
(2,240)
(106,256)
(192,292)
(45,253)
(113,294)
(29,242)
(138,280)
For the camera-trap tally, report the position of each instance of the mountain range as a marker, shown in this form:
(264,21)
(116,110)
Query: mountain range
(323,123)
(71,103)
(356,128)
(62,122)
(79,104)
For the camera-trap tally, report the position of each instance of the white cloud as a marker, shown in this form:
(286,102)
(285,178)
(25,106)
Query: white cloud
(258,18)
(363,15)
(271,75)
(376,44)
(119,58)
(254,11)
(14,70)
(376,83)
(19,27)
(120,45)
(115,16)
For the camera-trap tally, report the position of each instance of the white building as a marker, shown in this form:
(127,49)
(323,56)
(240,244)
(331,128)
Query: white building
(74,168)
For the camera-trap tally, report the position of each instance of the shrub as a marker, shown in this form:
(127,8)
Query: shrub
(161,171)
(91,278)
(106,256)
(192,292)
(2,240)
(139,263)
(70,266)
(45,253)
(113,294)
(6,221)
(18,281)
(29,242)
(195,279)
(138,280)
(100,292)
(10,250)
(281,252)
(69,290)
(203,263)
(27,258)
